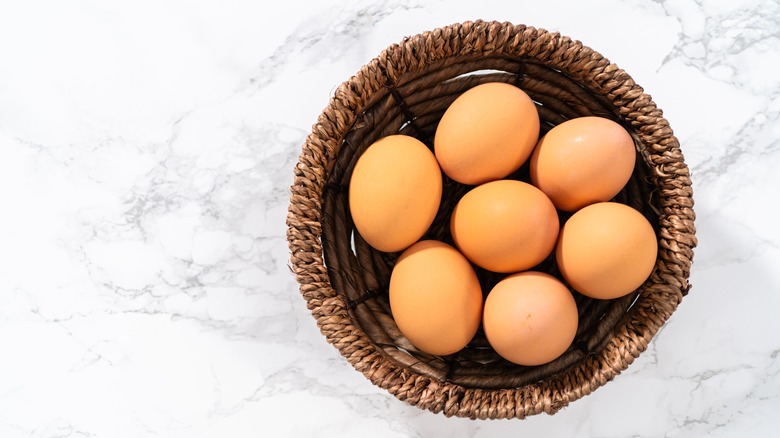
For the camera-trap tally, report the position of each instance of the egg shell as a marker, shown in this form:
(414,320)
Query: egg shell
(530,318)
(435,297)
(583,161)
(505,226)
(606,250)
(487,133)
(394,192)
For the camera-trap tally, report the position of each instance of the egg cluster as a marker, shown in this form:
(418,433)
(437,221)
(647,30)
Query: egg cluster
(604,250)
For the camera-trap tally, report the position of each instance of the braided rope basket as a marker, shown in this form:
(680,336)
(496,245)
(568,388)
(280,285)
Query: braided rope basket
(406,90)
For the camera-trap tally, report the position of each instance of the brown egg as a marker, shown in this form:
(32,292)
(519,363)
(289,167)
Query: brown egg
(583,161)
(435,297)
(530,318)
(505,226)
(606,250)
(487,133)
(394,192)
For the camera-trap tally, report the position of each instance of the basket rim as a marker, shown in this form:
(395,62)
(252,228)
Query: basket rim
(658,298)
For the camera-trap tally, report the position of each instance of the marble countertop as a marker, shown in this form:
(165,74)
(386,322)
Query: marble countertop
(146,153)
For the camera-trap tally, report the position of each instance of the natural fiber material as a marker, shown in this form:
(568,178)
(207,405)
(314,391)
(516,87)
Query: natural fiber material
(406,90)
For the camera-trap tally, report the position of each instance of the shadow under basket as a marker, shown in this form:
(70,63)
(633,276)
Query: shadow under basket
(405,90)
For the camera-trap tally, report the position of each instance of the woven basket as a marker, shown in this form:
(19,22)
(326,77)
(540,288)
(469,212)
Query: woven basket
(406,90)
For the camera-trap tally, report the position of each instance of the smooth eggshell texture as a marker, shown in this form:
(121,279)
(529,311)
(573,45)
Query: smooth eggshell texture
(583,161)
(487,133)
(505,226)
(435,297)
(606,250)
(530,318)
(394,192)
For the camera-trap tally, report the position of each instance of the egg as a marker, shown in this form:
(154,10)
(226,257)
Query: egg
(583,161)
(606,250)
(435,297)
(394,192)
(505,226)
(530,318)
(487,133)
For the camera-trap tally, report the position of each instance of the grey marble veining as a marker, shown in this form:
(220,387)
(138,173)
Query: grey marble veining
(146,151)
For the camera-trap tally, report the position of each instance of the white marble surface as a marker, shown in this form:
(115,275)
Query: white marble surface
(146,150)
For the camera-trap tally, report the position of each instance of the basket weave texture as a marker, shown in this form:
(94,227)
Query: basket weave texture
(405,90)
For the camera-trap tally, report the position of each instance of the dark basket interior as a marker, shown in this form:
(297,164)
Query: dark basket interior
(362,273)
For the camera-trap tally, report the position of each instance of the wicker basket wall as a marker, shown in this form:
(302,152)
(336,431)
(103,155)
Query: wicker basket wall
(406,90)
